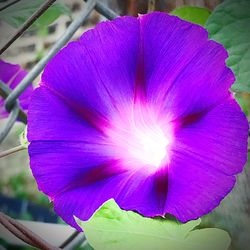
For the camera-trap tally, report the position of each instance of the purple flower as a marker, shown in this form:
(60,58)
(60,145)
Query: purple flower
(138,110)
(11,75)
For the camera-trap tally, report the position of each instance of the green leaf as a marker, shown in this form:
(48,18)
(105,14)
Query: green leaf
(243,100)
(111,228)
(23,138)
(55,11)
(192,14)
(18,13)
(229,25)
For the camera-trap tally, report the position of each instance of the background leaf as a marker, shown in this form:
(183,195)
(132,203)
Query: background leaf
(18,13)
(23,138)
(229,24)
(55,11)
(111,228)
(192,14)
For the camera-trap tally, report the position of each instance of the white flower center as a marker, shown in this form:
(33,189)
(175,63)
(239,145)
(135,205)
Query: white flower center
(139,140)
(149,145)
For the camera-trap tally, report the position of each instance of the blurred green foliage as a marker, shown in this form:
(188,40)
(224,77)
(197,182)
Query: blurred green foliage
(18,13)
(192,14)
(229,24)
(18,186)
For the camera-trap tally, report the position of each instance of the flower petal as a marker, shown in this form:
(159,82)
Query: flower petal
(100,69)
(185,72)
(50,118)
(86,175)
(75,164)
(11,75)
(68,156)
(85,115)
(8,72)
(25,97)
(205,157)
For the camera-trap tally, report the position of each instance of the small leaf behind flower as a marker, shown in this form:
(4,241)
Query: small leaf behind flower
(112,228)
(23,138)
(229,24)
(18,13)
(192,14)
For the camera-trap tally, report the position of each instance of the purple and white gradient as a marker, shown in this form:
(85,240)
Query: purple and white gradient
(138,110)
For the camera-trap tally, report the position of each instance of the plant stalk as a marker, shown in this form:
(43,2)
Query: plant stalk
(12,151)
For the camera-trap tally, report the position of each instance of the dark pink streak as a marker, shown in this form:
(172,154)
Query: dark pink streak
(94,118)
(96,174)
(161,186)
(140,81)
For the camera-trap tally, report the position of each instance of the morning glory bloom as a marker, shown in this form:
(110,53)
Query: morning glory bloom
(138,110)
(11,75)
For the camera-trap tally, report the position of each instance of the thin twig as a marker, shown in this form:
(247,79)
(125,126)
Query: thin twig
(10,122)
(9,4)
(72,237)
(27,24)
(104,10)
(12,151)
(24,233)
(10,227)
(75,240)
(37,69)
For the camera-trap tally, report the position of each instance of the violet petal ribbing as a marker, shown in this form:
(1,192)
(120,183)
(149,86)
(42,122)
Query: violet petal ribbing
(126,85)
(207,154)
(105,71)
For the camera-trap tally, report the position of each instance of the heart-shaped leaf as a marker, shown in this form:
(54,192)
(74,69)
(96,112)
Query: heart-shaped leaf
(112,228)
(229,24)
